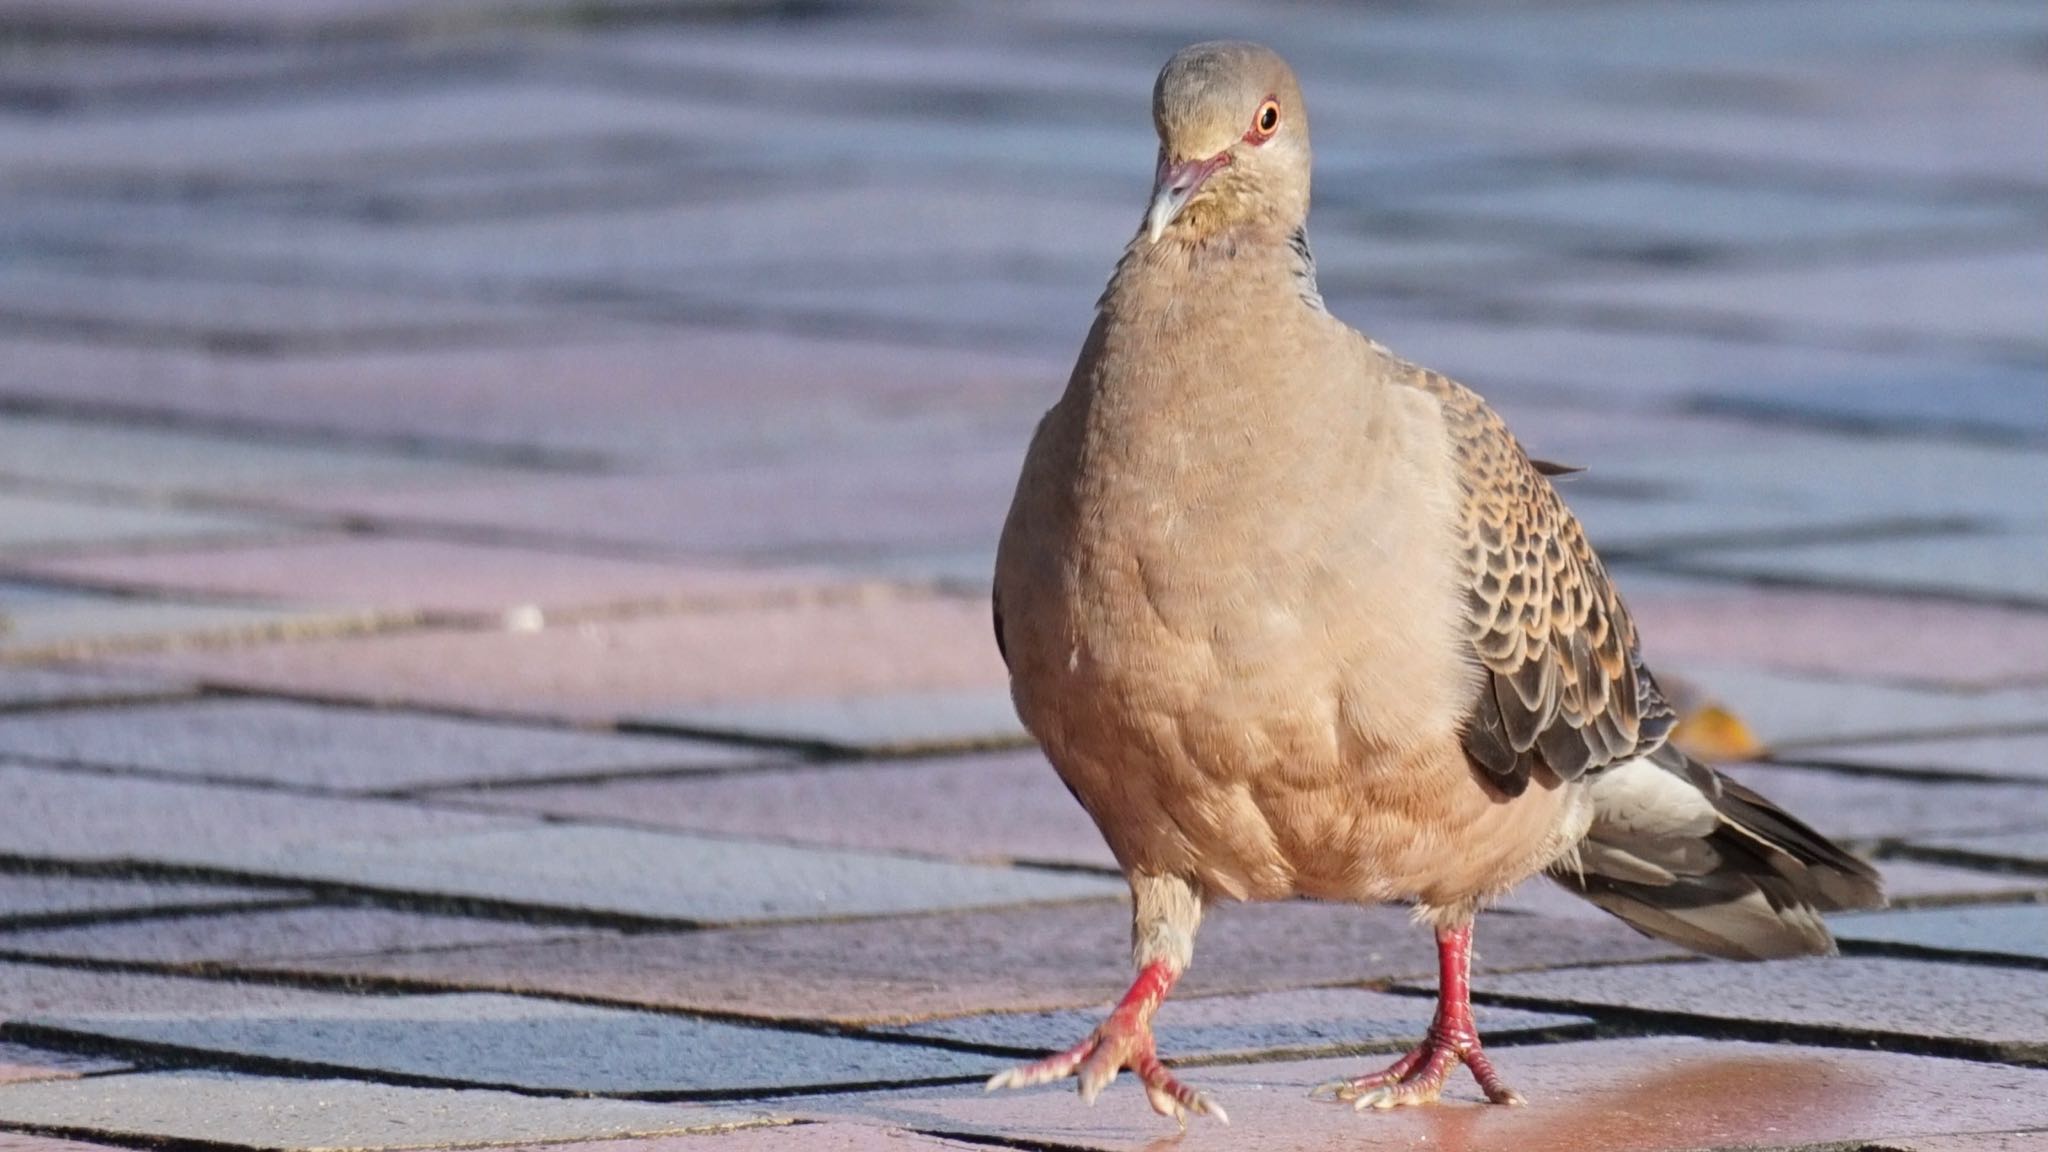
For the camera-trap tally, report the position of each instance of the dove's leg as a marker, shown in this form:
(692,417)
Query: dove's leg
(1418,1077)
(1165,912)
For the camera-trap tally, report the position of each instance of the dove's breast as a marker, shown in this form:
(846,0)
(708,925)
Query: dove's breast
(1232,615)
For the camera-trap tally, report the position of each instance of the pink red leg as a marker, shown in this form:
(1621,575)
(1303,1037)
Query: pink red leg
(1122,1041)
(1453,1039)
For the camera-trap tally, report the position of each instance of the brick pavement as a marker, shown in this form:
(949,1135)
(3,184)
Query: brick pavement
(495,503)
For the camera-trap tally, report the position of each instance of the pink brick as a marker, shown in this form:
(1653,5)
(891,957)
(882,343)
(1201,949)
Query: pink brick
(1840,633)
(829,1136)
(849,504)
(604,671)
(996,807)
(392,574)
(678,399)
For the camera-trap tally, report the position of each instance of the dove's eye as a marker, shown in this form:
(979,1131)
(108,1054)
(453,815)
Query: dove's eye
(1266,121)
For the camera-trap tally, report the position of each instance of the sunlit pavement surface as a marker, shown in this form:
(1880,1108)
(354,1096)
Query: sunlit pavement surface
(496,502)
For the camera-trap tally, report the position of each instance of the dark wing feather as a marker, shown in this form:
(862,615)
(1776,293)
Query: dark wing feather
(1565,688)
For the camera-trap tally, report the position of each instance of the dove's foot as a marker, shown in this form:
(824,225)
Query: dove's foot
(1122,1041)
(1418,1077)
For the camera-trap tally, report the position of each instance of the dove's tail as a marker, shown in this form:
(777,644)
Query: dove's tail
(1688,855)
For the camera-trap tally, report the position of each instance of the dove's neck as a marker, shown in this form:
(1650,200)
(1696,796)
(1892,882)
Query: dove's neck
(1246,258)
(1197,354)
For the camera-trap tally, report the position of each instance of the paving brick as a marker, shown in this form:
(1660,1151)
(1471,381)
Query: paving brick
(339,749)
(159,460)
(2004,930)
(2022,757)
(2003,568)
(230,939)
(1975,1142)
(1039,312)
(1868,807)
(669,246)
(25,687)
(667,876)
(609,670)
(1856,998)
(70,73)
(1008,806)
(45,623)
(1323,1021)
(431,576)
(1907,883)
(233,19)
(1960,297)
(40,898)
(870,53)
(24,1142)
(844,508)
(1788,711)
(1981,400)
(1663,1094)
(513,1042)
(389,846)
(803,1137)
(19,1062)
(1014,960)
(94,819)
(1842,479)
(333,134)
(262,1113)
(1829,633)
(1623,520)
(1680,37)
(670,400)
(1617,209)
(1625,372)
(872,725)
(184,309)
(480,1039)
(2028,850)
(46,522)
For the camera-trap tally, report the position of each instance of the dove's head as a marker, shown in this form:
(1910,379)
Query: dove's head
(1233,141)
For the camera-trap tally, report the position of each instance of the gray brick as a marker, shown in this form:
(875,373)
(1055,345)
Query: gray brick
(38,897)
(1787,710)
(463,1038)
(22,686)
(238,938)
(29,522)
(2006,930)
(340,749)
(94,819)
(2005,567)
(1859,998)
(670,877)
(260,1113)
(874,725)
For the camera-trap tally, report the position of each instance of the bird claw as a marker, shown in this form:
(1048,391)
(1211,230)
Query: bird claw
(1118,1044)
(1335,1088)
(1418,1078)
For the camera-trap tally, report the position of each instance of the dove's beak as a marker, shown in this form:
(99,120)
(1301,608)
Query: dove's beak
(1175,185)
